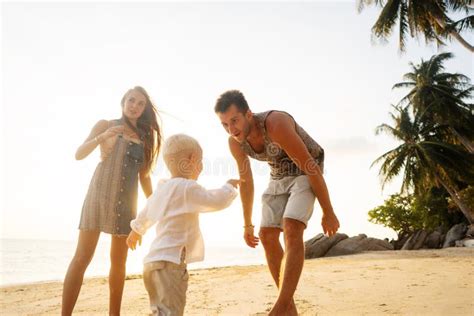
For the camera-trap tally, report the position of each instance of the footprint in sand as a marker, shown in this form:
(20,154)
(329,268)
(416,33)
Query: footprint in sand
(304,306)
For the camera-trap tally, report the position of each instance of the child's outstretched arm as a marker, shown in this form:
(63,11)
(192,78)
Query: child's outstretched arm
(212,200)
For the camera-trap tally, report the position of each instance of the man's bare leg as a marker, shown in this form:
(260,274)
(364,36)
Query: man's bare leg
(292,267)
(270,238)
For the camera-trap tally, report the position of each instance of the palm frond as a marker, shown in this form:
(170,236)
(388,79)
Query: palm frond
(466,94)
(436,63)
(363,3)
(459,5)
(464,24)
(405,84)
(392,168)
(388,155)
(451,157)
(387,19)
(403,26)
(385,128)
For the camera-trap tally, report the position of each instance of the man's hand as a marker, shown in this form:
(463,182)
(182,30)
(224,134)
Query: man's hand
(250,239)
(330,223)
(132,240)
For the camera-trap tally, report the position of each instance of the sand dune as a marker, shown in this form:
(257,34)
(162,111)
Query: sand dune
(424,282)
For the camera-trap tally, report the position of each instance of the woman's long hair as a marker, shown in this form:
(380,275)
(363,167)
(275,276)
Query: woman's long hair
(147,129)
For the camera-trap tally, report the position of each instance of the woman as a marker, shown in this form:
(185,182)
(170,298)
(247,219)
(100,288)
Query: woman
(128,148)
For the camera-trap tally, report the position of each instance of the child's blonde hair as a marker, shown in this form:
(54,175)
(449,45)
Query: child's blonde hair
(178,147)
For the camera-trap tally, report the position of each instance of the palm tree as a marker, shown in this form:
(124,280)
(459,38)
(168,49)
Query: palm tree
(427,17)
(438,97)
(425,160)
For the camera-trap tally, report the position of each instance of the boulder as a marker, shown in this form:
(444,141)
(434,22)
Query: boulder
(443,238)
(416,240)
(470,231)
(466,242)
(433,240)
(456,232)
(358,244)
(398,244)
(317,246)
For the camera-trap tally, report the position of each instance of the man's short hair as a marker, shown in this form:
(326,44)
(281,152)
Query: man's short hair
(230,97)
(176,147)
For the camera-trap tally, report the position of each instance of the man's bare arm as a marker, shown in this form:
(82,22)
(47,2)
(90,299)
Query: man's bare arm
(246,190)
(281,130)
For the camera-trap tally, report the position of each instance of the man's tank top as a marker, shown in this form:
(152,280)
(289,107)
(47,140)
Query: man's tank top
(281,165)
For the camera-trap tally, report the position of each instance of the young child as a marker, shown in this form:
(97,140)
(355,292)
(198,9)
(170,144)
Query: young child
(175,206)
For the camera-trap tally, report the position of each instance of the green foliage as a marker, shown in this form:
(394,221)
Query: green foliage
(466,195)
(407,213)
(436,210)
(396,213)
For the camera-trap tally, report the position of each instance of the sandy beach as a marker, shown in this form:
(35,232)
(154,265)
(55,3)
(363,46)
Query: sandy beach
(424,282)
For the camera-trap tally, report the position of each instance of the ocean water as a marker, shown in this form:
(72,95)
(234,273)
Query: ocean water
(27,261)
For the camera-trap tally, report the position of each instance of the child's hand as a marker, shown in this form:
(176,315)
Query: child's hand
(235,182)
(132,240)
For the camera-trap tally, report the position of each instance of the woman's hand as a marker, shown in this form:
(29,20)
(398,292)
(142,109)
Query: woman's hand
(111,132)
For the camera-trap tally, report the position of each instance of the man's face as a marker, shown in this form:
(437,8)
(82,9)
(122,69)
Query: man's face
(235,123)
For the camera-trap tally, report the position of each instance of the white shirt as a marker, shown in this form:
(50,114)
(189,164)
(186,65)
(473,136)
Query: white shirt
(175,205)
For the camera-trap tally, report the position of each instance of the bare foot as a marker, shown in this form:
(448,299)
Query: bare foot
(284,310)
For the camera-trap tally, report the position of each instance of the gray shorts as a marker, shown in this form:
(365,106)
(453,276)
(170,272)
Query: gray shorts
(290,197)
(166,284)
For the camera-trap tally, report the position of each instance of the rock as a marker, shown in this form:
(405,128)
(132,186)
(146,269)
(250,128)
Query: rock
(456,232)
(317,246)
(469,243)
(358,244)
(443,238)
(470,231)
(433,240)
(416,240)
(398,244)
(466,242)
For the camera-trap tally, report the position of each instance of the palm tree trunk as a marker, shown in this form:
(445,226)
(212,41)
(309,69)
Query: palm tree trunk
(466,210)
(466,142)
(457,36)
(462,41)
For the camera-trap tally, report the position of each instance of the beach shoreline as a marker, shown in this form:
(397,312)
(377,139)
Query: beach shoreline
(434,282)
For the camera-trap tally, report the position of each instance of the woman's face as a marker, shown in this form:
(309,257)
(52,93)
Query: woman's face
(134,105)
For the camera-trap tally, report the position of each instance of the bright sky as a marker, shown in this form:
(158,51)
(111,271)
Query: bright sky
(65,66)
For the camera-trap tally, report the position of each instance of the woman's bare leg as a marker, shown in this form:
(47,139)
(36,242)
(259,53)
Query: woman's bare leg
(118,258)
(75,274)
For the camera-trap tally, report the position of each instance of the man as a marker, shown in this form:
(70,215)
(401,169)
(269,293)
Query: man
(296,163)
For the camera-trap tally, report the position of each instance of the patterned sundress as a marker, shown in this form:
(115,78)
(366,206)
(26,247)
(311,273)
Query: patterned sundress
(111,201)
